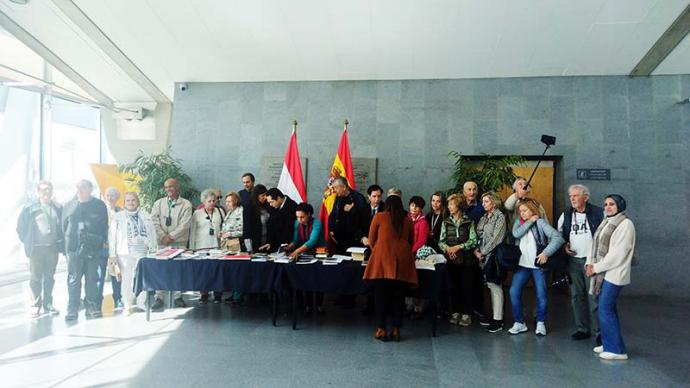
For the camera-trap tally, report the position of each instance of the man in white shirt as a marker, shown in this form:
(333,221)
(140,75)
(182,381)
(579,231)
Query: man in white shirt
(577,225)
(172,217)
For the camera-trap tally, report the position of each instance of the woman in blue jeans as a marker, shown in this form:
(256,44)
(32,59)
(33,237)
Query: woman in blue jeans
(525,230)
(609,264)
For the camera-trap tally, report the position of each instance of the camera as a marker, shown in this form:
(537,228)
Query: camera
(183,87)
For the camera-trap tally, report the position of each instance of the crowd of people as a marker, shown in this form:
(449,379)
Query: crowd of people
(470,230)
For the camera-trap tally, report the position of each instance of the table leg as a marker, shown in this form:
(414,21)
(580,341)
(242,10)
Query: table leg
(433,318)
(148,305)
(294,309)
(274,306)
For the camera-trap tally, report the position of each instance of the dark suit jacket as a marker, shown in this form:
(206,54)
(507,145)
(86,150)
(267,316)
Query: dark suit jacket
(282,224)
(366,220)
(346,226)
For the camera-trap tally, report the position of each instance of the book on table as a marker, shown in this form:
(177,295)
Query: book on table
(358,253)
(168,253)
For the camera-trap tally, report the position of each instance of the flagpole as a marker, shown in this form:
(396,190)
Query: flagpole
(346,123)
(294,125)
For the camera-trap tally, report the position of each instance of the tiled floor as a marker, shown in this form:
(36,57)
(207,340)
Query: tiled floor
(219,346)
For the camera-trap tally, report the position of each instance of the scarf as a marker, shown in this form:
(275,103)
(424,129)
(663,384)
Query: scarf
(135,226)
(304,231)
(600,244)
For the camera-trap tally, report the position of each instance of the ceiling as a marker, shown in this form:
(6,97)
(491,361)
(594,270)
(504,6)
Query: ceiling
(159,42)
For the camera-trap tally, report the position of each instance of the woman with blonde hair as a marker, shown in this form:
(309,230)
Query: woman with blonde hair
(491,230)
(528,231)
(131,236)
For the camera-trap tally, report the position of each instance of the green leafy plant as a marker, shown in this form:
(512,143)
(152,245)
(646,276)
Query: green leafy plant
(151,171)
(489,172)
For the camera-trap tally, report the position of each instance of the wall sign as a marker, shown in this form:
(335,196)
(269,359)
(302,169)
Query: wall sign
(272,166)
(365,173)
(594,174)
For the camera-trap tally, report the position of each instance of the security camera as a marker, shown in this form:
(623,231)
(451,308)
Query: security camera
(183,87)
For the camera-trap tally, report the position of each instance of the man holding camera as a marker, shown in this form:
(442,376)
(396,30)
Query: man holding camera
(172,218)
(85,227)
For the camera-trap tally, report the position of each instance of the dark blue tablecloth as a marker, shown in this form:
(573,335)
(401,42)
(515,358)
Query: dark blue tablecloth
(346,279)
(207,275)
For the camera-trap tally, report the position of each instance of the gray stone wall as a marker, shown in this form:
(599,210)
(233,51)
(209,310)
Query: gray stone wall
(631,125)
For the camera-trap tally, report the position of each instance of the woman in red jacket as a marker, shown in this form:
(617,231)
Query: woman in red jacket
(391,265)
(421,227)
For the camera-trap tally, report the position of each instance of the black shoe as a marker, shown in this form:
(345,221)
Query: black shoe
(92,314)
(598,340)
(71,316)
(179,302)
(217,300)
(485,321)
(495,326)
(579,335)
(118,305)
(157,305)
(562,281)
(202,300)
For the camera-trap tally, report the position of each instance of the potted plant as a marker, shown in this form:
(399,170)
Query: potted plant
(151,171)
(491,173)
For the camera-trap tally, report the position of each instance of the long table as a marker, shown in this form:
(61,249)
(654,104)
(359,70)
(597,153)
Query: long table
(346,279)
(208,275)
(270,278)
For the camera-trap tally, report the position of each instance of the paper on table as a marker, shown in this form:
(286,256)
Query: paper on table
(423,264)
(312,261)
(342,257)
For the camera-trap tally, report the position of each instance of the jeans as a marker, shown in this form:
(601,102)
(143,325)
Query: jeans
(611,337)
(87,267)
(585,306)
(520,279)
(42,268)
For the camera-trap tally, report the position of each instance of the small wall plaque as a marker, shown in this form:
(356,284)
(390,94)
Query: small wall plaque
(594,174)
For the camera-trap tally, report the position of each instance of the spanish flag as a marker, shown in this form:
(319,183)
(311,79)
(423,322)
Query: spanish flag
(342,167)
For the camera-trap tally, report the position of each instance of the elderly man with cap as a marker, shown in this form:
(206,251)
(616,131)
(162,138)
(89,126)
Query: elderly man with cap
(85,227)
(172,218)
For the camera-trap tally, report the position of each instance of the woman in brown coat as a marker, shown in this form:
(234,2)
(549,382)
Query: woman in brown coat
(391,265)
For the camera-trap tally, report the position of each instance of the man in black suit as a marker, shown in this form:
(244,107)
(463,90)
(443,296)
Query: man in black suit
(282,221)
(375,193)
(248,183)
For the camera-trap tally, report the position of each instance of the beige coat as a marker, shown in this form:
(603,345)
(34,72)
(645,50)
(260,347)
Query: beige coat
(617,262)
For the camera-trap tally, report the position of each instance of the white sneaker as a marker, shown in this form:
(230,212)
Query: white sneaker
(454,318)
(465,320)
(612,356)
(518,327)
(541,329)
(598,349)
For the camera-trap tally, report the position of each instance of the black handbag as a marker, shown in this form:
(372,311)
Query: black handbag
(556,262)
(508,256)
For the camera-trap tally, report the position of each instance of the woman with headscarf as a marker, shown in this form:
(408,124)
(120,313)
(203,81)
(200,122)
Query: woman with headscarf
(609,264)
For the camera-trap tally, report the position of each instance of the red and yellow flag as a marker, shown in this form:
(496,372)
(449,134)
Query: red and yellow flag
(342,167)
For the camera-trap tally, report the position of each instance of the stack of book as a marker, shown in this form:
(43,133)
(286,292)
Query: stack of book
(358,253)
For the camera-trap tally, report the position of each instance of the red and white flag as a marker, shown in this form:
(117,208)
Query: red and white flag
(291,181)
